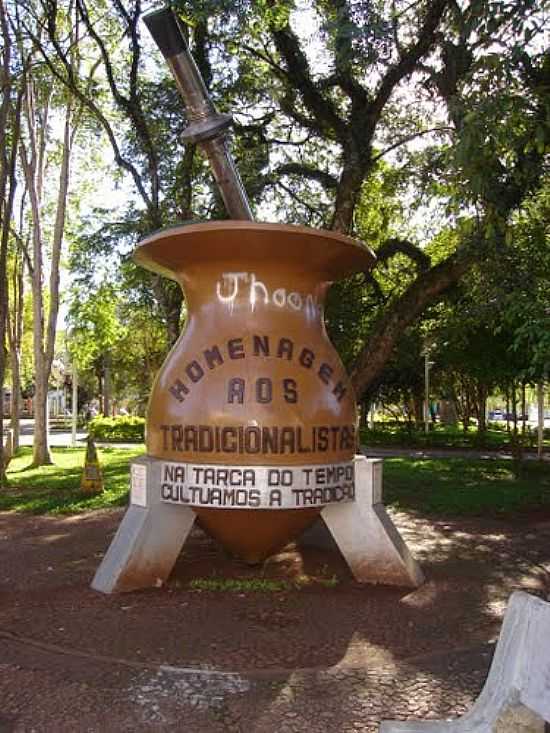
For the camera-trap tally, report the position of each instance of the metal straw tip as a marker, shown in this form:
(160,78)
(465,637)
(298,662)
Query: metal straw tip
(164,26)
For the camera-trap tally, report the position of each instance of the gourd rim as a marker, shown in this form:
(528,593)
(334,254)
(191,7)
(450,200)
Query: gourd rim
(332,255)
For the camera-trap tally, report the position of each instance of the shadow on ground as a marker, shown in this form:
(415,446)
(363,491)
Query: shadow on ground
(324,653)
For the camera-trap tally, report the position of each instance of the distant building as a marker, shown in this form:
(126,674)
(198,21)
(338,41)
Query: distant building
(26,404)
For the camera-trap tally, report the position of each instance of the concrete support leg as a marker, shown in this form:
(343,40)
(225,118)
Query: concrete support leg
(152,533)
(149,539)
(367,537)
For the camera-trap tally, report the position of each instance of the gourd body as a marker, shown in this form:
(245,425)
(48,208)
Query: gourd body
(253,380)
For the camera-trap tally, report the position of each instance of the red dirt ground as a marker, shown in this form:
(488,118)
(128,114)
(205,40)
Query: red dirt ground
(55,630)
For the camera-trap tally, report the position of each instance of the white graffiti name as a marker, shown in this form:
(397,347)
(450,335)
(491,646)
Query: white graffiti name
(232,283)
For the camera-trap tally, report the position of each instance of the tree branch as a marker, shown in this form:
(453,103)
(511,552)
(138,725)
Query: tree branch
(411,57)
(312,211)
(24,249)
(71,83)
(407,139)
(394,246)
(403,312)
(343,56)
(266,58)
(298,73)
(326,179)
(129,104)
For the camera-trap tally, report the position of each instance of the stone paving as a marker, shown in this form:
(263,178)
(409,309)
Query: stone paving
(316,658)
(43,690)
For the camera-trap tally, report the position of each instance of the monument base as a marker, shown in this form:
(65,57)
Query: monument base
(152,533)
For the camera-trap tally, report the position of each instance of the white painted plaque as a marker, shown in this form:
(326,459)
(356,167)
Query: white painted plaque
(257,487)
(138,485)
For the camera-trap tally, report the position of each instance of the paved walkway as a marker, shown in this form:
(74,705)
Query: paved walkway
(49,689)
(318,656)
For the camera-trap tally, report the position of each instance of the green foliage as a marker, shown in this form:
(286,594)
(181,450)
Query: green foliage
(524,271)
(380,211)
(95,326)
(55,489)
(354,304)
(115,329)
(119,429)
(467,136)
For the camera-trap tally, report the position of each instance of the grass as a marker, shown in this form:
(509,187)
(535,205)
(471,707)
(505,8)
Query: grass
(461,486)
(394,434)
(56,489)
(239,585)
(453,486)
(259,585)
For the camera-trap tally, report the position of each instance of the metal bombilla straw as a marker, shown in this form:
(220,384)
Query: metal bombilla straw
(207,127)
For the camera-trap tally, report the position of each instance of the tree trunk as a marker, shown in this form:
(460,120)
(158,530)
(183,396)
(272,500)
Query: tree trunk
(364,414)
(74,405)
(106,386)
(41,455)
(402,312)
(10,120)
(44,325)
(418,402)
(466,406)
(514,408)
(349,189)
(481,408)
(15,363)
(41,452)
(540,416)
(14,324)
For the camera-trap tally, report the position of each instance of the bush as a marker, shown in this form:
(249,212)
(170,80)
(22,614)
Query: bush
(118,429)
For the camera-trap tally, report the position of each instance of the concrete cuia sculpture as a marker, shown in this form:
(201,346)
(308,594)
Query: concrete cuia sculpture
(253,398)
(251,426)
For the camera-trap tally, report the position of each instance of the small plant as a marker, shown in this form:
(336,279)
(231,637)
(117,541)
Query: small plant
(259,585)
(326,580)
(331,582)
(239,585)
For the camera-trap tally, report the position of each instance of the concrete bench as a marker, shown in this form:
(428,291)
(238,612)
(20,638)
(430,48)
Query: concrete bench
(516,695)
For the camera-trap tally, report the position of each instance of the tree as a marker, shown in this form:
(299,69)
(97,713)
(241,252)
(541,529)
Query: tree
(10,124)
(524,281)
(141,119)
(95,333)
(469,80)
(32,159)
(489,105)
(42,156)
(15,324)
(108,332)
